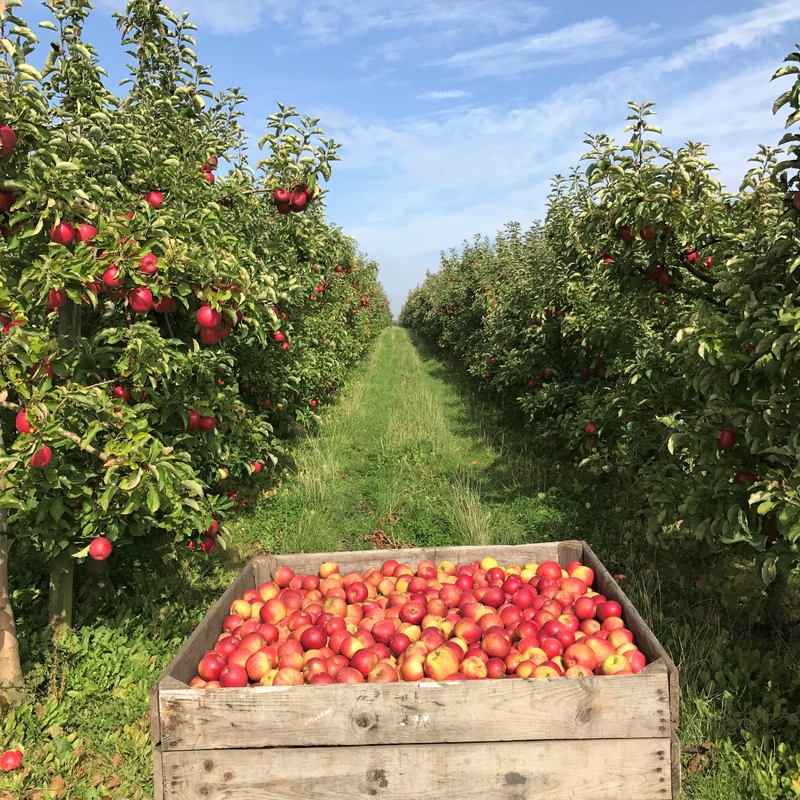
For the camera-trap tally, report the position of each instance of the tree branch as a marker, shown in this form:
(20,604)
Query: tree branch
(698,296)
(698,274)
(73,437)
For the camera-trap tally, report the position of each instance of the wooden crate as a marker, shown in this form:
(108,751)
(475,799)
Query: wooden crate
(593,738)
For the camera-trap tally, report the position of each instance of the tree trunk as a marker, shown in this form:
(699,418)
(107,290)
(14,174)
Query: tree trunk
(95,582)
(62,568)
(11,683)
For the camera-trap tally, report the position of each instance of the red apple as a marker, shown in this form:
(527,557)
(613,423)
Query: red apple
(580,654)
(84,232)
(350,675)
(210,667)
(155,199)
(549,569)
(57,298)
(208,317)
(283,575)
(601,648)
(726,439)
(22,424)
(636,659)
(141,300)
(383,672)
(42,458)
(233,675)
(100,550)
(165,305)
(611,608)
(11,759)
(364,660)
(356,592)
(111,279)
(62,233)
(313,638)
(440,663)
(8,141)
(148,265)
(495,645)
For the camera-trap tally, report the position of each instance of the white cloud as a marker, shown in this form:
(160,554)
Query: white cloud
(583,41)
(327,21)
(447,94)
(491,165)
(741,31)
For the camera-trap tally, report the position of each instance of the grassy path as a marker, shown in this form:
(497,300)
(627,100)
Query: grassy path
(398,462)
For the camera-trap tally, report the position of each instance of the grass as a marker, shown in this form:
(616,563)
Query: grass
(409,455)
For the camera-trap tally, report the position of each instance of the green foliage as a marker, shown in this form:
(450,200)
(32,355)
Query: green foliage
(132,466)
(661,309)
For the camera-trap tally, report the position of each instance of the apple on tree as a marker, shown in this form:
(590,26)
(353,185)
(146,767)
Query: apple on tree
(100,548)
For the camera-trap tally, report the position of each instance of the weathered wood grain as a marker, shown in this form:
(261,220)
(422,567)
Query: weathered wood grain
(597,707)
(676,766)
(604,769)
(569,550)
(264,568)
(645,639)
(158,775)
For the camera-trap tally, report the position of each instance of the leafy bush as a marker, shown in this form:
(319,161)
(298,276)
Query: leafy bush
(648,329)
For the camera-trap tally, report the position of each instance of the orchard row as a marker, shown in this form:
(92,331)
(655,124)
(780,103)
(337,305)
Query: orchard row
(163,316)
(647,330)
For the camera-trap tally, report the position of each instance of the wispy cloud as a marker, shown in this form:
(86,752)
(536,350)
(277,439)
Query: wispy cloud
(741,31)
(329,21)
(448,94)
(584,41)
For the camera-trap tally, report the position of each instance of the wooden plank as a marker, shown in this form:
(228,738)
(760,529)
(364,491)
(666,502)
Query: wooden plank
(645,639)
(676,766)
(596,707)
(360,560)
(569,550)
(158,775)
(605,769)
(264,568)
(164,682)
(155,726)
(184,666)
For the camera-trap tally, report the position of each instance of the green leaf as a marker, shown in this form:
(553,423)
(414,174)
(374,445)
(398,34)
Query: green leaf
(194,487)
(153,500)
(57,509)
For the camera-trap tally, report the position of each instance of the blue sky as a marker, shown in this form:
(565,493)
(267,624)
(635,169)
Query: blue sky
(455,114)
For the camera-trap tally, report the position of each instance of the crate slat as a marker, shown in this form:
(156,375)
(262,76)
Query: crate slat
(406,713)
(599,769)
(645,639)
(183,667)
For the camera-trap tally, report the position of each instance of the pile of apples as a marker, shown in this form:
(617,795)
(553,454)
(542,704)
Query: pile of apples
(440,623)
